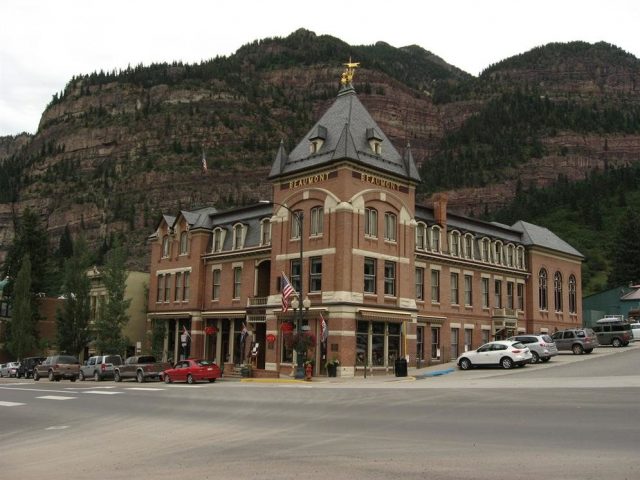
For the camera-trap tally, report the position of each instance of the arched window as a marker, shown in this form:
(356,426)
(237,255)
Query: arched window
(454,245)
(468,246)
(421,230)
(184,243)
(218,240)
(238,236)
(390,221)
(370,222)
(557,291)
(542,290)
(510,256)
(486,252)
(572,295)
(497,253)
(296,224)
(520,257)
(317,217)
(165,246)
(265,232)
(435,239)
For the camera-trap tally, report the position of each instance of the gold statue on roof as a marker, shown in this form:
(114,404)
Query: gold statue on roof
(347,76)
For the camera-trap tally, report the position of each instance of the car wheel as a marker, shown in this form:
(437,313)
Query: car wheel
(36,377)
(116,376)
(190,379)
(81,377)
(588,350)
(577,349)
(465,364)
(506,363)
(96,377)
(167,378)
(140,377)
(535,358)
(616,343)
(51,376)
(73,379)
(211,380)
(546,359)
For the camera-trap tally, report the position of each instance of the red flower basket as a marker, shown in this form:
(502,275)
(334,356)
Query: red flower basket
(271,338)
(286,327)
(210,330)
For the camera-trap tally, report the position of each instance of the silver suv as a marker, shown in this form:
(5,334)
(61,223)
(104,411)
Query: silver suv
(99,367)
(576,340)
(541,346)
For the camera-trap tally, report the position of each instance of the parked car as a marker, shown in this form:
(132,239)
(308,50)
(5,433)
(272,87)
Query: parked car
(635,331)
(191,371)
(140,367)
(541,347)
(504,353)
(613,330)
(576,340)
(26,366)
(99,367)
(9,369)
(57,367)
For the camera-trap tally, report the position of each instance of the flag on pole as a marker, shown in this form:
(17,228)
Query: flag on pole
(287,291)
(323,328)
(185,332)
(244,332)
(204,163)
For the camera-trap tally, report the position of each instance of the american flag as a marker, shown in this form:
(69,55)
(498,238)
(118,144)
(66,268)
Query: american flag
(204,163)
(323,328)
(244,332)
(287,291)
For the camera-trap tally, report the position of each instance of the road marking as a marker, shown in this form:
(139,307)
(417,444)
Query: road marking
(143,389)
(57,427)
(55,397)
(101,392)
(11,404)
(91,388)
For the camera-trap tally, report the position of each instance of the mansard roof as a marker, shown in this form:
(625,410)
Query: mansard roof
(535,235)
(346,130)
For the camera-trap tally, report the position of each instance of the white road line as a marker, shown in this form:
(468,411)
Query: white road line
(55,397)
(91,388)
(57,427)
(101,392)
(11,404)
(143,389)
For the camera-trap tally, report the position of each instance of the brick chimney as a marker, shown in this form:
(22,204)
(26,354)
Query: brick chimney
(440,208)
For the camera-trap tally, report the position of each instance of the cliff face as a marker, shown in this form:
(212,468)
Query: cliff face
(116,151)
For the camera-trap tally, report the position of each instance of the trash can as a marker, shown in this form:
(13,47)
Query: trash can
(401,367)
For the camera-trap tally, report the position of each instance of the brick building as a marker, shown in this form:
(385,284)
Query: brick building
(391,278)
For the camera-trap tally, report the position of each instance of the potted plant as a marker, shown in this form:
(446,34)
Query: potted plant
(308,369)
(245,370)
(332,367)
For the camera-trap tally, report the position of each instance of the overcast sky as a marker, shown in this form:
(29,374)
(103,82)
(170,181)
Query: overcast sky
(43,43)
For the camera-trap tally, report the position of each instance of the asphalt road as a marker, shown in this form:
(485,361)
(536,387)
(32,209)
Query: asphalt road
(574,418)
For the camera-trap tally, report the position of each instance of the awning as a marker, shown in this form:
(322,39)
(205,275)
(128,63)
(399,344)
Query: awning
(384,315)
(433,320)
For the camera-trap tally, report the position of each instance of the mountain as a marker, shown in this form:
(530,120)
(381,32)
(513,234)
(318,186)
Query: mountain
(118,148)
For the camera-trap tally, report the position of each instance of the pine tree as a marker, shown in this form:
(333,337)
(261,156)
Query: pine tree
(113,314)
(73,318)
(21,335)
(626,253)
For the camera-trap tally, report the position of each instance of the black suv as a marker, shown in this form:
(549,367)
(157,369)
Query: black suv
(26,366)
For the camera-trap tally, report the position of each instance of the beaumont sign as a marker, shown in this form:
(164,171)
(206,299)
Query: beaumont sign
(310,180)
(364,177)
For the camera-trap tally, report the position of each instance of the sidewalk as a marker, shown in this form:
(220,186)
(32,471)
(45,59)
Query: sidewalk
(413,373)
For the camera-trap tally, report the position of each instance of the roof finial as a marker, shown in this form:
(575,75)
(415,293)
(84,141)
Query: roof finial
(347,75)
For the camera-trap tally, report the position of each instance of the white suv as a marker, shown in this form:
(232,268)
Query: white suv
(99,367)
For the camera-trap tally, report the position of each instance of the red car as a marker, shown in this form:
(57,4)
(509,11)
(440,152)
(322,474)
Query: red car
(191,371)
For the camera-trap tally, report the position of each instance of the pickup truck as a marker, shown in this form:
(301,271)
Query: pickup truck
(142,368)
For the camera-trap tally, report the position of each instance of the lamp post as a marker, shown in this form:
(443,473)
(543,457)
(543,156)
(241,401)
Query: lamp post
(298,307)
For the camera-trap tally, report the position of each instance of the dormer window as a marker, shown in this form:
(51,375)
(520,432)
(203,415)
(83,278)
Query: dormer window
(317,138)
(166,246)
(238,236)
(265,231)
(375,141)
(218,240)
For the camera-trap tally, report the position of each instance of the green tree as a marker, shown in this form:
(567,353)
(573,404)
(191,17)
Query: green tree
(21,335)
(113,314)
(33,240)
(626,251)
(73,318)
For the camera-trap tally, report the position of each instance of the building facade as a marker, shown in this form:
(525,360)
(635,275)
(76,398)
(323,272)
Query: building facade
(391,279)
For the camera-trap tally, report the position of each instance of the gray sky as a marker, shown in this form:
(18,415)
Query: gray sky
(43,43)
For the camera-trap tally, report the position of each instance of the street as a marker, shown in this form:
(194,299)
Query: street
(575,417)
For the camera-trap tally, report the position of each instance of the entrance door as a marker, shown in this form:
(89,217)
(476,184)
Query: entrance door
(260,332)
(420,346)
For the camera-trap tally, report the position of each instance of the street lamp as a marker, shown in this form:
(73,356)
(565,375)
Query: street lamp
(295,303)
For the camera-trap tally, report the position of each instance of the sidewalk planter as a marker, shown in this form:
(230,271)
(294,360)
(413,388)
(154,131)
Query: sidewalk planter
(308,372)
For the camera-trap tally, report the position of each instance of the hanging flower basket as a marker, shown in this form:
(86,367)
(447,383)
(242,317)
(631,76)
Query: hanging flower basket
(210,330)
(300,341)
(271,338)
(286,327)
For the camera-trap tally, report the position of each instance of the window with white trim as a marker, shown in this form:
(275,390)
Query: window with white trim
(186,276)
(166,246)
(454,245)
(238,236)
(317,217)
(455,291)
(389,278)
(370,222)
(369,275)
(216,282)
(390,227)
(265,232)
(237,282)
(572,294)
(557,291)
(542,290)
(468,290)
(296,224)
(420,235)
(484,282)
(184,243)
(218,239)
(468,246)
(435,239)
(435,286)
(419,283)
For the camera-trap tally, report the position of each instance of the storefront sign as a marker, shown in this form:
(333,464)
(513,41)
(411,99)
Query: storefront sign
(379,181)
(310,180)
